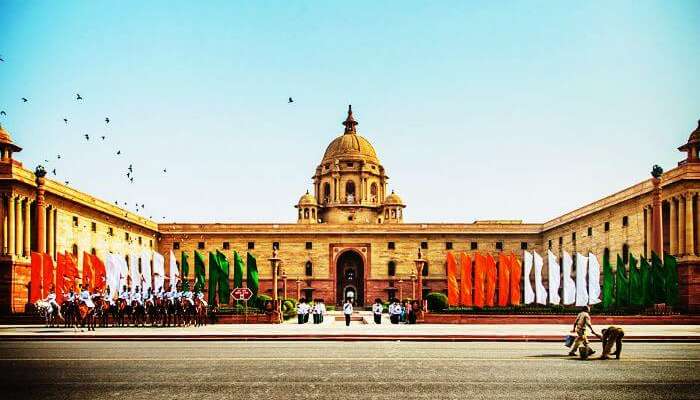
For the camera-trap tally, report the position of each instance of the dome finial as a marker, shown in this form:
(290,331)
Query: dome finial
(350,122)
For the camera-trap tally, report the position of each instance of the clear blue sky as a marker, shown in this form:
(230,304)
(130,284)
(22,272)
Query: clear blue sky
(478,110)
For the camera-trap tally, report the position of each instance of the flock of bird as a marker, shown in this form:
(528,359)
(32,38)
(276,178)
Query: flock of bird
(129,170)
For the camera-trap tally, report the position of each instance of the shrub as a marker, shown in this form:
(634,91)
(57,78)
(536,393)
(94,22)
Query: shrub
(259,301)
(436,301)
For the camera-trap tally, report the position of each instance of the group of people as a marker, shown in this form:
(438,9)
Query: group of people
(610,336)
(317,309)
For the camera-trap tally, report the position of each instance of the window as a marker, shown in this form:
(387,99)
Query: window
(625,221)
(606,255)
(251,245)
(523,245)
(309,245)
(499,245)
(75,250)
(561,240)
(309,269)
(226,245)
(448,245)
(140,239)
(625,253)
(126,236)
(549,244)
(275,245)
(474,245)
(590,231)
(391,268)
(391,246)
(93,251)
(200,245)
(606,227)
(93,226)
(424,245)
(425,270)
(150,243)
(75,221)
(349,164)
(176,245)
(110,231)
(573,237)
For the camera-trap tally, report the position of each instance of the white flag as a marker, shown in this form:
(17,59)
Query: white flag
(593,279)
(529,294)
(134,272)
(581,284)
(112,272)
(123,271)
(146,280)
(568,283)
(158,272)
(540,291)
(174,272)
(554,278)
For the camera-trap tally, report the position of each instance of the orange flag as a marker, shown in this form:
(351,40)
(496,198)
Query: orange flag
(36,279)
(452,286)
(71,270)
(490,280)
(503,280)
(100,274)
(88,272)
(479,279)
(48,274)
(465,287)
(60,279)
(516,272)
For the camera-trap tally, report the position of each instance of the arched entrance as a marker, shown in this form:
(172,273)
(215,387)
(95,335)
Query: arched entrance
(350,278)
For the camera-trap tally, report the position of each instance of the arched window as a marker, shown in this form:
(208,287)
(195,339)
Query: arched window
(140,264)
(309,269)
(393,213)
(386,214)
(625,253)
(75,250)
(306,213)
(326,192)
(391,267)
(425,269)
(350,192)
(373,192)
(313,214)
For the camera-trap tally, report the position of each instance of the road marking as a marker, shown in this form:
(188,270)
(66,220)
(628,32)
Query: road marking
(316,359)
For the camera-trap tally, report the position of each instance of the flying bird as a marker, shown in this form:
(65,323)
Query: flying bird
(116,203)
(103,137)
(2,59)
(3,113)
(119,152)
(78,96)
(24,99)
(59,156)
(87,137)
(107,120)
(165,170)
(128,174)
(290,100)
(46,161)
(131,179)
(66,182)
(131,168)
(65,120)
(54,171)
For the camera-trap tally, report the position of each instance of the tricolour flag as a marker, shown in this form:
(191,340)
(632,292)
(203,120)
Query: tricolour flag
(252,282)
(671,281)
(503,280)
(528,293)
(237,270)
(568,284)
(581,283)
(622,284)
(465,280)
(516,271)
(553,278)
(200,277)
(593,279)
(452,287)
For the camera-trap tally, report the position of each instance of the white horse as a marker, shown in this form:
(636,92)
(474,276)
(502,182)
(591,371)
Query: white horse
(46,311)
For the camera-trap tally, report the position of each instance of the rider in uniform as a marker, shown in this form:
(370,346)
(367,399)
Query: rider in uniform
(86,297)
(200,296)
(51,299)
(136,296)
(187,295)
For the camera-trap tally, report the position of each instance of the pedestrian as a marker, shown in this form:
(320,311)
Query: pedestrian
(412,312)
(612,335)
(302,309)
(347,311)
(404,312)
(317,312)
(395,312)
(377,309)
(582,322)
(323,310)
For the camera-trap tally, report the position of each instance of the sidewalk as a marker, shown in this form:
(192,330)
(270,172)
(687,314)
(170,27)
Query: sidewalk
(358,331)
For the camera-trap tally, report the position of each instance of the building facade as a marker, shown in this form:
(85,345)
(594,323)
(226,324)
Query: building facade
(349,239)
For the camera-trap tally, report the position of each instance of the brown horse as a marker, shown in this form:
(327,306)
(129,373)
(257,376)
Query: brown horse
(102,311)
(83,316)
(200,312)
(188,314)
(122,311)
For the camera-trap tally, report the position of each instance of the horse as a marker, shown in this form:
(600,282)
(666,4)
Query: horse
(83,316)
(151,312)
(138,314)
(47,312)
(122,309)
(68,309)
(102,311)
(188,313)
(200,313)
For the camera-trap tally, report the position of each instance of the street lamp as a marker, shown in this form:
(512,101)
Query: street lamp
(400,289)
(274,263)
(284,282)
(413,284)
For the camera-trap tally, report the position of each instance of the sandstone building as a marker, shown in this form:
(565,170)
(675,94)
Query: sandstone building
(350,238)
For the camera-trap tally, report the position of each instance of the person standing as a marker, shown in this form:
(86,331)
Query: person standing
(582,322)
(347,311)
(316,312)
(395,312)
(377,309)
(323,311)
(302,308)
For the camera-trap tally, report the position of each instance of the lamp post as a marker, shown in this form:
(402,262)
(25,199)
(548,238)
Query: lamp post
(400,289)
(420,262)
(413,284)
(274,263)
(656,224)
(298,288)
(284,283)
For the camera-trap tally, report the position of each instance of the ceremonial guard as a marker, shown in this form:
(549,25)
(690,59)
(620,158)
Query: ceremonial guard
(136,296)
(347,311)
(377,309)
(302,311)
(86,298)
(51,299)
(395,312)
(317,311)
(200,296)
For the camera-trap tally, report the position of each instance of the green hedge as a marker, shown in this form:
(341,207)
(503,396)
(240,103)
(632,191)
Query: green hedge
(436,301)
(538,309)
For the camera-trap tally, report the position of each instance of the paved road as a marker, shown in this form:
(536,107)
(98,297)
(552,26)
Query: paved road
(327,370)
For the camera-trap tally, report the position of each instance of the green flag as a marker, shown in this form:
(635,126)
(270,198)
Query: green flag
(671,268)
(636,290)
(237,270)
(224,291)
(608,282)
(214,270)
(252,269)
(185,271)
(200,278)
(658,279)
(645,271)
(622,284)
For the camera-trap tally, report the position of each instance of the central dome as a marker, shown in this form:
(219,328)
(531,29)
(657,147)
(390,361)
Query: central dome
(350,145)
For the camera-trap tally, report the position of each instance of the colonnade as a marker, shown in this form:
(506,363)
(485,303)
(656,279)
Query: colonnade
(18,227)
(682,226)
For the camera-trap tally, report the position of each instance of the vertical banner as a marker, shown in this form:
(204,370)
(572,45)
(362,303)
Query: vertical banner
(503,280)
(479,280)
(515,276)
(528,293)
(452,287)
(490,280)
(465,282)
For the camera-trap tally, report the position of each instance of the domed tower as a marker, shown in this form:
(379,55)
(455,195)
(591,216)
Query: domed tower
(350,182)
(393,209)
(308,209)
(692,147)
(7,147)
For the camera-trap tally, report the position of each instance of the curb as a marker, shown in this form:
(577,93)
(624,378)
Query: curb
(348,338)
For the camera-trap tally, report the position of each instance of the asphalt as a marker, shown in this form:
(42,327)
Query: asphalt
(341,370)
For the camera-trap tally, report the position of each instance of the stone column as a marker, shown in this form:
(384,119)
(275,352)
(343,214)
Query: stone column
(647,228)
(50,231)
(657,244)
(420,262)
(3,232)
(697,221)
(689,243)
(40,216)
(19,231)
(274,263)
(673,227)
(681,225)
(27,227)
(11,225)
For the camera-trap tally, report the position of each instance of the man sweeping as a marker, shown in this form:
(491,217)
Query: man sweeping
(582,322)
